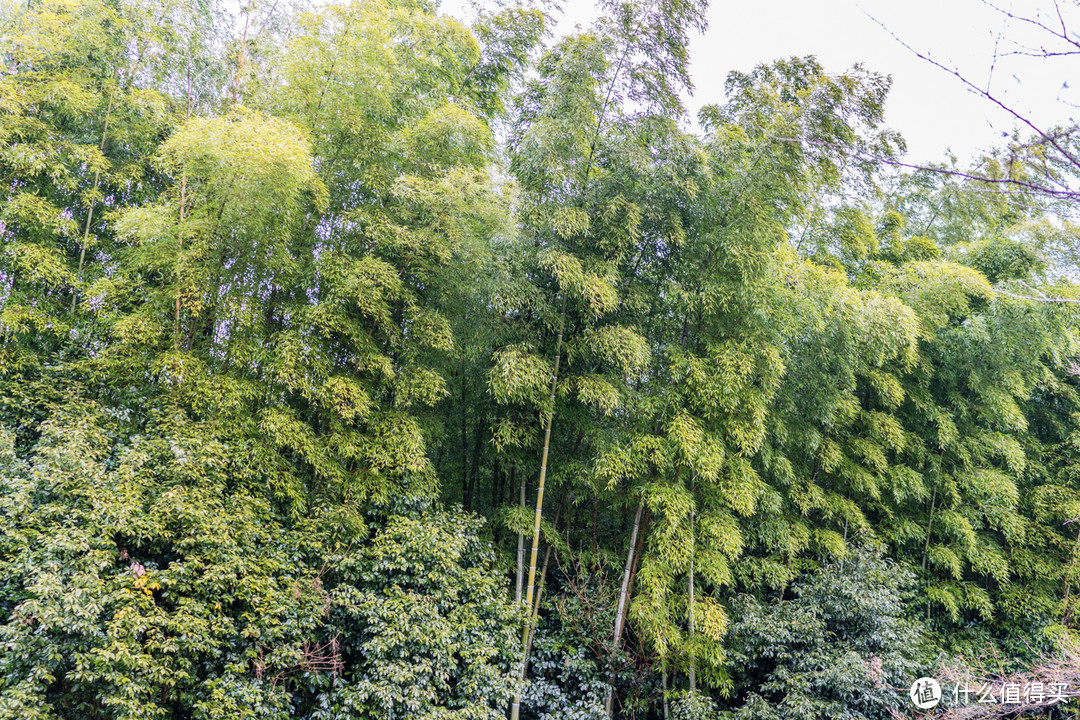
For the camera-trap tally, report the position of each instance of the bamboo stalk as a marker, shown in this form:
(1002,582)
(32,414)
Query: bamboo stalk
(240,58)
(535,612)
(515,707)
(663,679)
(539,591)
(93,193)
(620,612)
(929,529)
(521,544)
(926,548)
(183,205)
(693,543)
(1068,584)
(176,309)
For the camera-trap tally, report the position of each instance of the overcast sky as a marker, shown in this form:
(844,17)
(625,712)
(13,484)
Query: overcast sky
(928,106)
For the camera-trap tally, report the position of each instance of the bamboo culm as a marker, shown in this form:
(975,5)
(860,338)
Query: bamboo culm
(663,677)
(539,592)
(693,543)
(620,612)
(515,707)
(93,194)
(521,547)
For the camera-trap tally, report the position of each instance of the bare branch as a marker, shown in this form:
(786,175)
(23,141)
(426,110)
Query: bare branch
(1041,53)
(1061,35)
(1057,9)
(1043,299)
(1065,194)
(1047,137)
(1034,290)
(1055,676)
(1064,133)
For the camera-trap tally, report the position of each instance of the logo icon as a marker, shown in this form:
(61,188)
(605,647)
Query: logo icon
(925,693)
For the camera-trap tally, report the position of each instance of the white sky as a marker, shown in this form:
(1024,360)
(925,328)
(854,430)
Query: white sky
(930,108)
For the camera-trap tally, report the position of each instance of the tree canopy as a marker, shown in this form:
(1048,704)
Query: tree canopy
(358,362)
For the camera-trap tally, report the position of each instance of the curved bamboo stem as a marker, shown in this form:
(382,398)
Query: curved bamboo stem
(521,545)
(515,707)
(693,543)
(624,597)
(93,194)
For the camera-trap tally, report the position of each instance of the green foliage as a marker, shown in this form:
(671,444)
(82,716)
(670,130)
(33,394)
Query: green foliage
(694,706)
(840,647)
(1002,259)
(275,294)
(564,682)
(146,577)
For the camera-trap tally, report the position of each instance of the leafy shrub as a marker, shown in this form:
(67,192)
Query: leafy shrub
(565,682)
(840,648)
(146,577)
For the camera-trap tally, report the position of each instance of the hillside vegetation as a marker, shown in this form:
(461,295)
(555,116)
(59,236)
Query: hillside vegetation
(359,363)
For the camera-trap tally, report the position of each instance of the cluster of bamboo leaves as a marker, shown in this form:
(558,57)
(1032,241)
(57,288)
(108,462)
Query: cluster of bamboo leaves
(359,362)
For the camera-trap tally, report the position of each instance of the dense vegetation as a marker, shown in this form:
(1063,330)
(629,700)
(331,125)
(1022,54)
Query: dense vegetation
(350,355)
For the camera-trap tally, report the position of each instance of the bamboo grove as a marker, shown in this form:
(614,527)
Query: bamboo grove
(356,362)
